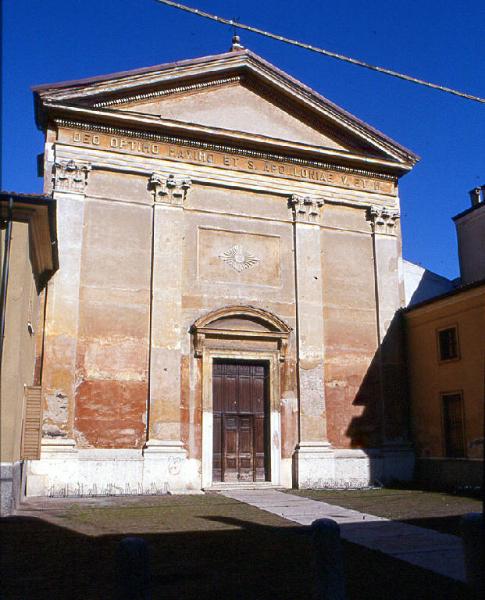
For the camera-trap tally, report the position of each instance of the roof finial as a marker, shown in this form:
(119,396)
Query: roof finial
(236,43)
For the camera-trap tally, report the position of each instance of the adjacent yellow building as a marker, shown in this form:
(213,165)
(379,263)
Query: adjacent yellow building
(446,368)
(446,365)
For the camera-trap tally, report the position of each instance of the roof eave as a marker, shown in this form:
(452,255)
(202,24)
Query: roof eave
(240,59)
(219,135)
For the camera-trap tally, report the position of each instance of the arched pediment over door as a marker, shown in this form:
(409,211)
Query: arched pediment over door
(238,327)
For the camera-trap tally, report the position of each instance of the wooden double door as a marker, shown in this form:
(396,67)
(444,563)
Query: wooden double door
(240,413)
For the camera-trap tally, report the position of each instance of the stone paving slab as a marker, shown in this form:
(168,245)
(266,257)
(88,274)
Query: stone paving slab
(425,548)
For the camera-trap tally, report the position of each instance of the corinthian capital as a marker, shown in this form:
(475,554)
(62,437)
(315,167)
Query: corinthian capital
(305,208)
(169,190)
(70,176)
(383,219)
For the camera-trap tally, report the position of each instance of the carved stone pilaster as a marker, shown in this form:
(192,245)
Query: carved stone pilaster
(383,219)
(70,176)
(169,190)
(306,208)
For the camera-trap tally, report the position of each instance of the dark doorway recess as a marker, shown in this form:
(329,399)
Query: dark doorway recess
(241,420)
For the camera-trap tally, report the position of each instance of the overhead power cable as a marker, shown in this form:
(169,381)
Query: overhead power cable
(353,61)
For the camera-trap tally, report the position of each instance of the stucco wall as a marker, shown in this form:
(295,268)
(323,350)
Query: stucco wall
(429,377)
(19,344)
(470,231)
(421,284)
(96,366)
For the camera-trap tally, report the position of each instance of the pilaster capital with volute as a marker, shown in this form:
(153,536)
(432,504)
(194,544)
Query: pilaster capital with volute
(305,209)
(169,189)
(70,176)
(383,219)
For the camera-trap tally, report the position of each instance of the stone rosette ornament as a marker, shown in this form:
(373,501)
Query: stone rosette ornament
(239,259)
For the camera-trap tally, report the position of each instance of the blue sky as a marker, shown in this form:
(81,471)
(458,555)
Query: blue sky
(442,41)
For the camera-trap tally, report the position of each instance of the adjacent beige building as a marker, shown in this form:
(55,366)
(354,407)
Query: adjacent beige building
(470,231)
(28,257)
(230,271)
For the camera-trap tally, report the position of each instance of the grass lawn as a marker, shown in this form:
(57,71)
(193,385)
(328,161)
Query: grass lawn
(433,510)
(201,547)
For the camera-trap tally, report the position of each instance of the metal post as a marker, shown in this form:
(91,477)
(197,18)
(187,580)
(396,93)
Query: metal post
(133,569)
(472,535)
(329,563)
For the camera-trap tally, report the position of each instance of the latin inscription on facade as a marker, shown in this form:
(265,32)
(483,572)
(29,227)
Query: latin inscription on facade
(180,153)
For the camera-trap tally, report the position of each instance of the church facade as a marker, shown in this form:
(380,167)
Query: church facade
(230,270)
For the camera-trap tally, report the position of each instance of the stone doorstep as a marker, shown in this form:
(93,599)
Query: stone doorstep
(241,485)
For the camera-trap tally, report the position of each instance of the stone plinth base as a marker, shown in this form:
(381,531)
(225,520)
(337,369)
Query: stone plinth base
(10,481)
(65,471)
(163,466)
(166,461)
(320,466)
(398,463)
(314,465)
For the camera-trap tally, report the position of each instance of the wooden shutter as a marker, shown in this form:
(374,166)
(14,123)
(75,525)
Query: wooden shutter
(32,423)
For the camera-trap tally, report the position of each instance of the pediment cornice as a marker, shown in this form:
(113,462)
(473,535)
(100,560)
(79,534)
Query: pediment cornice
(99,99)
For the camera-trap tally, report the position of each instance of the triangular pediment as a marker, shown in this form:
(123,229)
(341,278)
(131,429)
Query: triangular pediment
(238,108)
(237,96)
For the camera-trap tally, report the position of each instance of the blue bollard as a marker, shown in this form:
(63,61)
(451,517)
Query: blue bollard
(133,569)
(473,538)
(329,562)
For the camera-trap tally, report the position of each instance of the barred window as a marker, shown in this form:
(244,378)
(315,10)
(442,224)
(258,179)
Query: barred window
(453,425)
(448,343)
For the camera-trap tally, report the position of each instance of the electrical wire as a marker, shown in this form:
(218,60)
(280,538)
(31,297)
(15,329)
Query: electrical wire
(353,61)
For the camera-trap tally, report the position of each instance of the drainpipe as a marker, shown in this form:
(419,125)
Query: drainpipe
(4,283)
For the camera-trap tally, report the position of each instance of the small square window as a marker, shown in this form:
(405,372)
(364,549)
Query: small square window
(448,343)
(453,425)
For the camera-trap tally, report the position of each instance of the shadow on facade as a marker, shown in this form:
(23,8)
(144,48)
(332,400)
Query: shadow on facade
(382,429)
(235,560)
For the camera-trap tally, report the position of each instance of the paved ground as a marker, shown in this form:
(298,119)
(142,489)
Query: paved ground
(439,552)
(201,547)
(431,510)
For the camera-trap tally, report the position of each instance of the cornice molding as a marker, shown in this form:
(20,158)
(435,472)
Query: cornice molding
(169,139)
(169,92)
(140,121)
(211,326)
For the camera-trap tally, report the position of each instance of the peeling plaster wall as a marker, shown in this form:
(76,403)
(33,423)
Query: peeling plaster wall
(120,372)
(96,364)
(351,374)
(112,350)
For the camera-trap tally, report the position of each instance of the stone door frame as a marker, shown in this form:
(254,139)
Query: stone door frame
(270,358)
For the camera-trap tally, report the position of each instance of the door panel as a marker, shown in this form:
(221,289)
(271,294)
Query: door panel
(246,453)
(259,454)
(240,427)
(230,448)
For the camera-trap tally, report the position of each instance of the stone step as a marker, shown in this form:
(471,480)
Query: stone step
(241,485)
